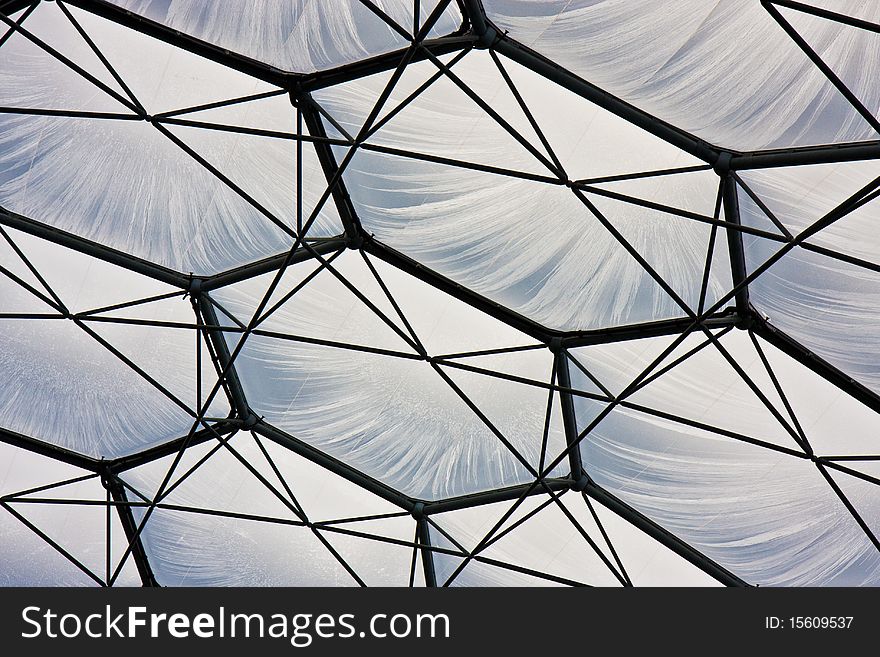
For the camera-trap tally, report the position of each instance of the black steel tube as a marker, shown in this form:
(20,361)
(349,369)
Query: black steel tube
(129,526)
(272,263)
(735,242)
(123,463)
(385,62)
(569,420)
(99,251)
(450,287)
(221,348)
(492,496)
(424,537)
(655,531)
(722,319)
(334,465)
(789,157)
(196,46)
(552,71)
(314,124)
(817,364)
(48,449)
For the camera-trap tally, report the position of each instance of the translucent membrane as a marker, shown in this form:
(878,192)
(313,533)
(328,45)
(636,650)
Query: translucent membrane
(78,526)
(206,530)
(828,305)
(798,197)
(765,514)
(515,235)
(296,34)
(726,72)
(134,188)
(371,400)
(555,540)
(64,385)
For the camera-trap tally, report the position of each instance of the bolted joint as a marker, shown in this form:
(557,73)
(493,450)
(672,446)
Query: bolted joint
(354,242)
(580,485)
(251,421)
(555,344)
(418,510)
(488,38)
(746,322)
(722,163)
(296,94)
(195,286)
(106,479)
(109,480)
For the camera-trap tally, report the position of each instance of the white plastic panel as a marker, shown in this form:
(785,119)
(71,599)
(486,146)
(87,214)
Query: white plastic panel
(529,244)
(295,34)
(706,389)
(828,305)
(392,415)
(195,541)
(539,536)
(724,71)
(798,197)
(133,188)
(62,385)
(79,526)
(768,516)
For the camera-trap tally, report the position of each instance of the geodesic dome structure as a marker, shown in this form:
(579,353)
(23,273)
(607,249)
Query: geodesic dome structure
(402,292)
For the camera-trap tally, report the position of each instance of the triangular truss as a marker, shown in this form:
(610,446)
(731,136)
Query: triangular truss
(337,346)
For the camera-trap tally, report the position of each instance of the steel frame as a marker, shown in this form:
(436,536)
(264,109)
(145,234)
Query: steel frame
(477,31)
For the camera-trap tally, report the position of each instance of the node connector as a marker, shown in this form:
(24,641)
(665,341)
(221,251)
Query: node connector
(581,484)
(722,164)
(488,38)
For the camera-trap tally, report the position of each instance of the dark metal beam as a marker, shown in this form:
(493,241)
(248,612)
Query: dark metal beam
(94,249)
(124,463)
(476,16)
(126,517)
(50,450)
(661,535)
(788,345)
(221,349)
(719,320)
(282,78)
(567,339)
(315,126)
(830,15)
(491,308)
(569,420)
(179,39)
(334,465)
(561,76)
(495,495)
(424,539)
(9,7)
(735,241)
(385,62)
(272,263)
(789,157)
